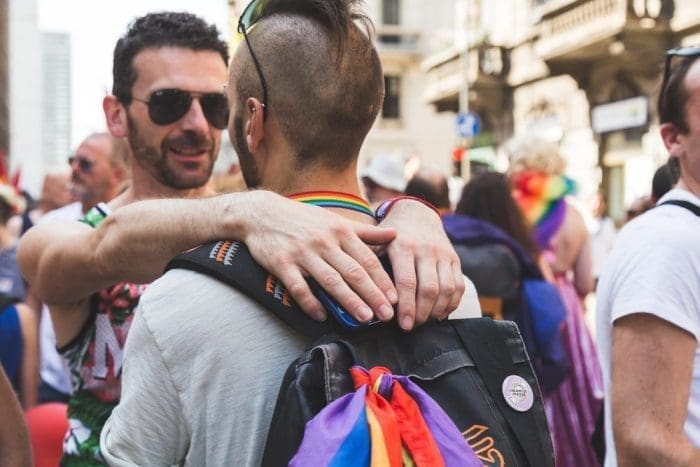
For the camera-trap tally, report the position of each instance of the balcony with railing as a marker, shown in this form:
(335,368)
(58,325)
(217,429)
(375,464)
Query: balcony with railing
(569,30)
(484,68)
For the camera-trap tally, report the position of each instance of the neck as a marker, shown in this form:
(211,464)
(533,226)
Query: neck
(144,186)
(688,184)
(322,180)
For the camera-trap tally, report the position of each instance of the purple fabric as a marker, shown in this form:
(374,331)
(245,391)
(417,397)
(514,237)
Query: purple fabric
(452,445)
(325,433)
(550,223)
(573,408)
(471,231)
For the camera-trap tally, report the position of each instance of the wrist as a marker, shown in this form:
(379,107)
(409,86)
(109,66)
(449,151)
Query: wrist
(383,210)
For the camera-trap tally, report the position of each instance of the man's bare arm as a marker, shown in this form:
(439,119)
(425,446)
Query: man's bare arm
(14,438)
(66,262)
(652,365)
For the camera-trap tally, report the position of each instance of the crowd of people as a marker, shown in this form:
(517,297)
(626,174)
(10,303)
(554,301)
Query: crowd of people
(99,366)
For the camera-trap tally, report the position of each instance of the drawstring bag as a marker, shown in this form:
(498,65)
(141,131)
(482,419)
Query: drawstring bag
(387,421)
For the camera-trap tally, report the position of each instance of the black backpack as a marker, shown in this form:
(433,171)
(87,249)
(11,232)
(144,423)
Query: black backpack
(477,370)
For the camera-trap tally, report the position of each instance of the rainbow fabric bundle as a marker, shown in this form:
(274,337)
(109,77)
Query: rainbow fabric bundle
(541,198)
(388,421)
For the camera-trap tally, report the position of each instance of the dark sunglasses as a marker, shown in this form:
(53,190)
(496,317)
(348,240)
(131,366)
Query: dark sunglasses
(251,15)
(84,164)
(166,106)
(683,52)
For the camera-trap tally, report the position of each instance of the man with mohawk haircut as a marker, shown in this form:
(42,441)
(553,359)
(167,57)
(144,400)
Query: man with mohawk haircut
(303,91)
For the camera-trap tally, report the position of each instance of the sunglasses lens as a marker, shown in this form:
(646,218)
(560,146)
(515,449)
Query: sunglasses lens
(168,106)
(84,165)
(215,108)
(252,14)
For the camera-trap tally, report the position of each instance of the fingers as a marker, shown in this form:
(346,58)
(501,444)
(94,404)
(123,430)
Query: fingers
(428,288)
(367,259)
(353,288)
(403,264)
(460,287)
(299,290)
(372,235)
(447,287)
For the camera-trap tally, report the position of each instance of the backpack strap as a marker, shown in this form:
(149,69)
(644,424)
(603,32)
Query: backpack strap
(486,344)
(231,263)
(694,208)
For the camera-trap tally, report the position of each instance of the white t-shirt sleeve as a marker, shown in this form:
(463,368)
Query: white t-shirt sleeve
(147,427)
(656,280)
(469,307)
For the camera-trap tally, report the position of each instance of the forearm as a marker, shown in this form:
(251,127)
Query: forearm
(133,244)
(14,438)
(136,241)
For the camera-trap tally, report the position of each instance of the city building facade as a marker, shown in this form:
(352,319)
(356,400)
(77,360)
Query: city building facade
(583,73)
(4,82)
(56,102)
(25,93)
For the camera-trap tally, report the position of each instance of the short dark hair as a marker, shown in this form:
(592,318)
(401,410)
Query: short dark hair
(432,188)
(664,179)
(325,82)
(672,98)
(155,30)
(489,197)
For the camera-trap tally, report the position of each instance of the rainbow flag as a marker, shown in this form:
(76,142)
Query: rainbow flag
(388,421)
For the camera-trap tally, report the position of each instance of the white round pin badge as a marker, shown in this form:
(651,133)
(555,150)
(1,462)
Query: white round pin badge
(518,393)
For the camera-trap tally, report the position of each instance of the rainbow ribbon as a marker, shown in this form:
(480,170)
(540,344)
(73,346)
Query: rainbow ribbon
(387,422)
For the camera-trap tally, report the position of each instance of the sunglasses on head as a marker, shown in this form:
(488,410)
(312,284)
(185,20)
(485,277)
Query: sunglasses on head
(166,106)
(251,15)
(682,52)
(84,164)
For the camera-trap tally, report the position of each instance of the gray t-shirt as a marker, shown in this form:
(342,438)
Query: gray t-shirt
(202,369)
(203,386)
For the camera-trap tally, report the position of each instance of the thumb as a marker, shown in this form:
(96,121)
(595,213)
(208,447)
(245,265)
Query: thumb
(373,235)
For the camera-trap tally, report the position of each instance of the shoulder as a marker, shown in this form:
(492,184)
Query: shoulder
(180,308)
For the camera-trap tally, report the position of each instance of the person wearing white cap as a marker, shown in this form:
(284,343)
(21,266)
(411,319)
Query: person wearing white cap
(384,177)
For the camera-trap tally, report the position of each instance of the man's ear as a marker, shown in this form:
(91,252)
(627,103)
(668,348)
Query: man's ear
(255,125)
(671,136)
(115,116)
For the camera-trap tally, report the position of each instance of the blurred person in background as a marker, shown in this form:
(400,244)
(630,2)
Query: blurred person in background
(99,170)
(540,189)
(55,193)
(383,178)
(665,178)
(14,438)
(499,254)
(431,186)
(18,326)
(648,321)
(602,229)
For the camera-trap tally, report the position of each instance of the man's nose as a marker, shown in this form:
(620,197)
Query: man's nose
(194,120)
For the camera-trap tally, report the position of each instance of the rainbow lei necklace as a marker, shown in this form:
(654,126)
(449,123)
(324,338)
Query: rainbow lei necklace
(334,199)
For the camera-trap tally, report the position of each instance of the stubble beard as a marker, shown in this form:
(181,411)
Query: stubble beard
(156,163)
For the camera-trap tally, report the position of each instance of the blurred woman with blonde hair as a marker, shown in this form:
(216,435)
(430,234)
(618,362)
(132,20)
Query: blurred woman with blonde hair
(540,189)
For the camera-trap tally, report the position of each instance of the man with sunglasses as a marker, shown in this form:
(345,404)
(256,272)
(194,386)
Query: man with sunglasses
(202,393)
(648,322)
(168,102)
